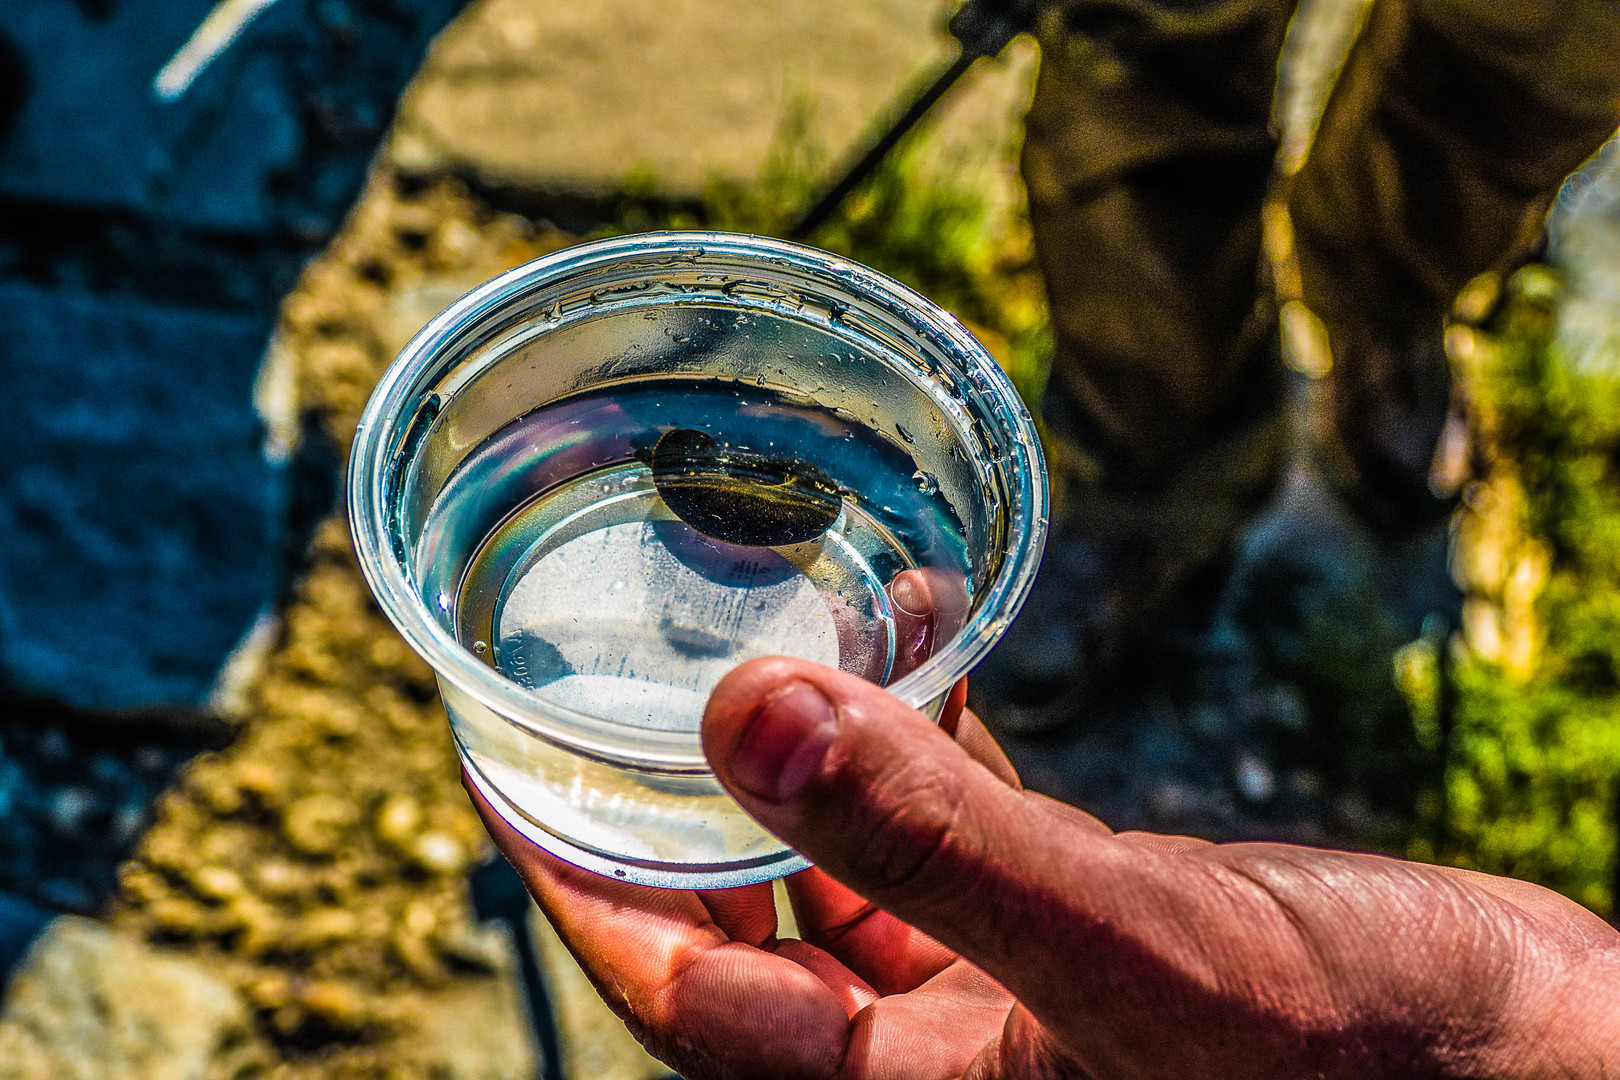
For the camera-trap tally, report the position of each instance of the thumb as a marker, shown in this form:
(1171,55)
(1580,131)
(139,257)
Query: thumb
(889,805)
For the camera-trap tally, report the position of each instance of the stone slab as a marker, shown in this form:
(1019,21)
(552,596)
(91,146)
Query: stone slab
(90,1003)
(140,522)
(552,95)
(274,134)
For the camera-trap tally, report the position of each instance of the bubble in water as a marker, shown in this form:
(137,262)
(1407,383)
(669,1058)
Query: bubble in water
(480,647)
(927,483)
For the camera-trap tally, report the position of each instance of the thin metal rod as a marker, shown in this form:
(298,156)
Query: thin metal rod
(823,207)
(542,1021)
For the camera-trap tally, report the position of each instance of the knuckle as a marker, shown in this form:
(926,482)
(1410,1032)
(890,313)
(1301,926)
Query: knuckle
(903,837)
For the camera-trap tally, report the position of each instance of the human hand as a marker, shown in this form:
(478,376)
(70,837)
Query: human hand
(956,925)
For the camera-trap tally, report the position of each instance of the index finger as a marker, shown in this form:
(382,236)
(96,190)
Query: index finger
(891,956)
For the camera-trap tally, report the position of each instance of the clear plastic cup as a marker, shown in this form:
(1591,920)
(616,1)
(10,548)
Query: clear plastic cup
(510,518)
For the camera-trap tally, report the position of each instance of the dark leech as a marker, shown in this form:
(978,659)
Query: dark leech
(740,496)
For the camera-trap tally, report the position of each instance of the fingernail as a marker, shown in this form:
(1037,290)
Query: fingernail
(909,594)
(785,745)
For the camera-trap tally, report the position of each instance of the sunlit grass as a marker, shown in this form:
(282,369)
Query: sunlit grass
(1535,746)
(918,218)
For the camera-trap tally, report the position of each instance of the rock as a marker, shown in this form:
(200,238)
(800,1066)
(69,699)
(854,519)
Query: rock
(337,1006)
(276,132)
(139,885)
(180,919)
(89,1003)
(128,821)
(280,880)
(67,894)
(270,991)
(258,928)
(264,783)
(419,918)
(318,1011)
(398,819)
(70,806)
(215,788)
(143,517)
(316,824)
(438,852)
(410,309)
(325,926)
(483,949)
(216,883)
(418,956)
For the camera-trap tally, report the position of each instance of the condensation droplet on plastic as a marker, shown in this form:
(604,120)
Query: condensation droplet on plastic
(928,483)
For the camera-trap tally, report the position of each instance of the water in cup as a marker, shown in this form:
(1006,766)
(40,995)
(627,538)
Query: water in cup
(617,552)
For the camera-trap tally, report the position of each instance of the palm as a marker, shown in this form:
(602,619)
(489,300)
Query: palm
(862,994)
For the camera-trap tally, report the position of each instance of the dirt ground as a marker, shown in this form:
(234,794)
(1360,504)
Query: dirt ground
(320,860)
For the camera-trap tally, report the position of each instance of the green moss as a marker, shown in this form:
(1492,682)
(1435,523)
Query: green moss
(1535,756)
